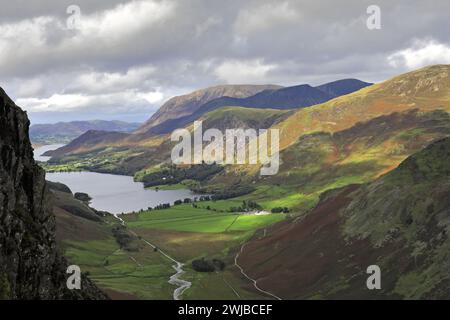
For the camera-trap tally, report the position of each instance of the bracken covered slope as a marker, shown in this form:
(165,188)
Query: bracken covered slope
(399,222)
(425,89)
(30,265)
(295,97)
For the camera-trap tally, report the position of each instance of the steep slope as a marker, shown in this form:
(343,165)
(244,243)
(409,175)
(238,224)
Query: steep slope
(64,200)
(88,141)
(182,111)
(64,132)
(30,265)
(131,159)
(343,87)
(283,98)
(239,117)
(185,105)
(319,155)
(425,89)
(399,222)
(173,110)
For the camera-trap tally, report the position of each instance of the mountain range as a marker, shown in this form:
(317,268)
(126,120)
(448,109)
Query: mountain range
(64,132)
(181,111)
(185,105)
(274,98)
(363,181)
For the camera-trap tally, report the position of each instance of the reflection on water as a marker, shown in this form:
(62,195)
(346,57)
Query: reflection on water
(117,194)
(112,193)
(38,152)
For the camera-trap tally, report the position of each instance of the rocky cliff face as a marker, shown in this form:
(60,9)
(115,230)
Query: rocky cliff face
(30,265)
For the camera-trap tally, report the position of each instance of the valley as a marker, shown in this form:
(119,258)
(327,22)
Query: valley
(254,226)
(142,268)
(220,159)
(156,238)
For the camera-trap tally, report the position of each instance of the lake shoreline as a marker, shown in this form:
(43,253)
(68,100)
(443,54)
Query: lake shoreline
(112,192)
(118,194)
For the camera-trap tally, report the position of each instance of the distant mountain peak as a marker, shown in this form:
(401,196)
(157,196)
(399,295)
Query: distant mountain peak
(64,132)
(343,87)
(282,98)
(187,104)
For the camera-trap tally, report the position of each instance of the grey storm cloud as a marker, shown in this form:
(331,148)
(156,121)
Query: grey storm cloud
(128,57)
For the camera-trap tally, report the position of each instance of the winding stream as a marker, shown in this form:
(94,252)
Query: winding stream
(175,279)
(182,285)
(119,194)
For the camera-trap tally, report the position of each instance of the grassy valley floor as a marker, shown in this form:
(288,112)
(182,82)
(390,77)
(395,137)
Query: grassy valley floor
(184,233)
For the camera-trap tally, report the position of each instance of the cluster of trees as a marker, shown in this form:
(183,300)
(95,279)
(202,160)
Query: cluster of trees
(162,206)
(232,192)
(247,206)
(173,174)
(203,265)
(189,200)
(280,210)
(185,201)
(124,239)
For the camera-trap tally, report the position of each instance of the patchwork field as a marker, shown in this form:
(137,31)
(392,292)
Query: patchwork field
(188,219)
(185,234)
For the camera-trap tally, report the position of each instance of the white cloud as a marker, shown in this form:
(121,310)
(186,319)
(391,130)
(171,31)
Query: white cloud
(125,19)
(57,102)
(135,53)
(265,17)
(47,38)
(118,102)
(106,82)
(250,71)
(152,97)
(421,53)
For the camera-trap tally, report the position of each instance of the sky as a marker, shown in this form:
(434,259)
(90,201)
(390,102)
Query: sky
(64,60)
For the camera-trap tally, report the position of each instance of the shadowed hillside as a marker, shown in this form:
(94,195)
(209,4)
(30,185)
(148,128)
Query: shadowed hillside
(186,105)
(351,139)
(30,265)
(399,222)
(284,98)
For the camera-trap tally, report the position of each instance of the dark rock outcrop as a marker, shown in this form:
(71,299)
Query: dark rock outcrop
(30,265)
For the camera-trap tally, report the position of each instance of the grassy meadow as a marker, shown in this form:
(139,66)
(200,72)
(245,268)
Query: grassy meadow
(183,232)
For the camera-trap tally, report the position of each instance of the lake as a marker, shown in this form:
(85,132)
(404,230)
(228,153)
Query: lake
(113,193)
(117,194)
(38,152)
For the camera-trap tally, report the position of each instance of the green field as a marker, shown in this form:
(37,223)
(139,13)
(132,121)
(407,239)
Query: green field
(188,219)
(185,233)
(143,274)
